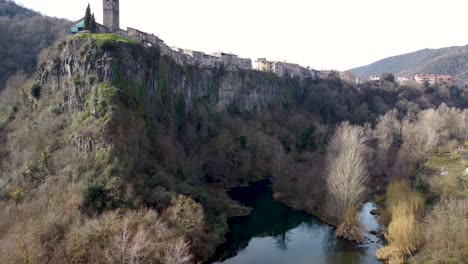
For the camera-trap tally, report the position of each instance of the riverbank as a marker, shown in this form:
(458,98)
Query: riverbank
(277,233)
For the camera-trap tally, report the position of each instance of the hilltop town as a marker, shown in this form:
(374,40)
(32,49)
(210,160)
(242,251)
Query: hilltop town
(229,61)
(182,56)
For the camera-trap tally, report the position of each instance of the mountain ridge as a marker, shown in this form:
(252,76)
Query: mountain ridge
(449,60)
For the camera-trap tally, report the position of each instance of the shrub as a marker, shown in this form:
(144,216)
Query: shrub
(132,237)
(350,227)
(18,194)
(404,232)
(404,235)
(35,90)
(399,192)
(446,239)
(96,200)
(186,214)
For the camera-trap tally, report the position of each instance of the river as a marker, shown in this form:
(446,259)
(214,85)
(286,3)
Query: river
(277,234)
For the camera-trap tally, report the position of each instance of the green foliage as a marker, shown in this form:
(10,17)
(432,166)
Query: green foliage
(107,42)
(107,96)
(35,90)
(26,33)
(307,140)
(18,194)
(93,24)
(388,77)
(96,200)
(87,18)
(186,214)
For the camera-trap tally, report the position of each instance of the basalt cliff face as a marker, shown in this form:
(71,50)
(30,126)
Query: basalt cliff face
(77,64)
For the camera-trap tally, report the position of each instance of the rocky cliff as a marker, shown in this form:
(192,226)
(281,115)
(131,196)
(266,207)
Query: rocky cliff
(137,130)
(77,64)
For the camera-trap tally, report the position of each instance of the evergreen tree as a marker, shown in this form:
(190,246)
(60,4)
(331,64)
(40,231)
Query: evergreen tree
(87,18)
(93,23)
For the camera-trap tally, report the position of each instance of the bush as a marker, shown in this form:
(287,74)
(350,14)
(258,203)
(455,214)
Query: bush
(35,90)
(400,192)
(97,199)
(404,235)
(186,214)
(446,239)
(350,227)
(131,237)
(404,232)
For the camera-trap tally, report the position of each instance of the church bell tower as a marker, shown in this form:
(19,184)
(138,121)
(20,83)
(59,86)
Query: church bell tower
(111,15)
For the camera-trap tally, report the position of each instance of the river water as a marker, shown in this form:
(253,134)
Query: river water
(277,234)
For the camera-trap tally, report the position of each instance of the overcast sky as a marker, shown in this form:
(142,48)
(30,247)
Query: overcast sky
(325,34)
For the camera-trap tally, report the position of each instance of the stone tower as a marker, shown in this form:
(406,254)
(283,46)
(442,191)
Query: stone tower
(111,14)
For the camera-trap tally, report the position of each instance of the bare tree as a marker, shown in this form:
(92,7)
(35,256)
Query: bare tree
(178,253)
(387,133)
(455,121)
(346,167)
(388,129)
(129,246)
(423,134)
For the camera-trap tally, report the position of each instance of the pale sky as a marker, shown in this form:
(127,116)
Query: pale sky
(325,34)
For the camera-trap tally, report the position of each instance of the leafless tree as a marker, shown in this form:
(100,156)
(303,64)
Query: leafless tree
(128,246)
(422,134)
(387,133)
(179,253)
(388,130)
(346,168)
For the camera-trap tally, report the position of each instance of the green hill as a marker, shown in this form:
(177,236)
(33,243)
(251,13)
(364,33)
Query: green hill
(451,60)
(23,34)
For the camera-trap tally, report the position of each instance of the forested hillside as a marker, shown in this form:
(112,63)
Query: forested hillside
(23,34)
(115,144)
(451,60)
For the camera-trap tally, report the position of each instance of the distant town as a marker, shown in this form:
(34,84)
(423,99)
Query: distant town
(229,61)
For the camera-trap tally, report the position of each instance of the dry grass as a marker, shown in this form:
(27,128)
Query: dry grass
(454,184)
(404,207)
(350,228)
(404,232)
(400,192)
(391,254)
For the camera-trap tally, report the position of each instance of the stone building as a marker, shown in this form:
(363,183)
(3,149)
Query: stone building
(444,79)
(283,69)
(146,39)
(111,20)
(232,61)
(429,78)
(79,25)
(111,15)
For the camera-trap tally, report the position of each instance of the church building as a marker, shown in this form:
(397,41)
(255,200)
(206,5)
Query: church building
(111,20)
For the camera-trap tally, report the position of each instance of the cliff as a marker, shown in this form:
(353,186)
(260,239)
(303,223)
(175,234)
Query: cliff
(136,130)
(77,64)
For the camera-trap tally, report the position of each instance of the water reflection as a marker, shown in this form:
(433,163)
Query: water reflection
(275,233)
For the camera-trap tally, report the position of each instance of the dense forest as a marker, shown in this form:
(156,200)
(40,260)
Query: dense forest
(133,167)
(23,35)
